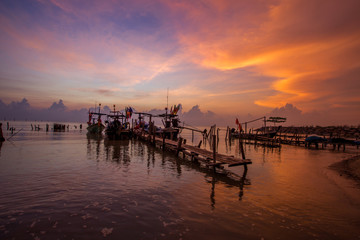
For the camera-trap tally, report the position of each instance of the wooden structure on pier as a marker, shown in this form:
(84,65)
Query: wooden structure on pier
(211,159)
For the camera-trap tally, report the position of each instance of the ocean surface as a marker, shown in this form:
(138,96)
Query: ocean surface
(68,185)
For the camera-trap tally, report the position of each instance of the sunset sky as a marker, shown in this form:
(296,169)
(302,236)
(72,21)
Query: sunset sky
(247,56)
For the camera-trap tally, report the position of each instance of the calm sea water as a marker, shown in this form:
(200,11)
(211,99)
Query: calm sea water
(67,185)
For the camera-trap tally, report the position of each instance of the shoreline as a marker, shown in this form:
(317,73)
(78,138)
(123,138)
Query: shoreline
(349,168)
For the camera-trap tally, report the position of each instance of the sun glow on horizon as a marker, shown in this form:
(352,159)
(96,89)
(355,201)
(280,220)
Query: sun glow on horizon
(256,55)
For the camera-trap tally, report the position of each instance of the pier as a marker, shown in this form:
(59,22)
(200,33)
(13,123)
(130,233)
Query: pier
(329,140)
(197,154)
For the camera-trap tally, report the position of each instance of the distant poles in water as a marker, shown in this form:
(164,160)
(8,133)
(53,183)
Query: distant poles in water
(57,127)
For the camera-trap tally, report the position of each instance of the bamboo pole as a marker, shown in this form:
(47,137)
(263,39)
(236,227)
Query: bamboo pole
(1,134)
(241,147)
(178,148)
(214,148)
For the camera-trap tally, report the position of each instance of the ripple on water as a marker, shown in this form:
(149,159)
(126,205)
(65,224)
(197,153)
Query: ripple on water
(66,185)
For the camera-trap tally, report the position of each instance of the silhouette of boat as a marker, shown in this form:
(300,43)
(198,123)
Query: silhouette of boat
(117,126)
(269,134)
(95,125)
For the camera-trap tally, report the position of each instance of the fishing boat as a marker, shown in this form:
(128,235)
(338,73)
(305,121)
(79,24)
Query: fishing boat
(260,132)
(171,122)
(315,139)
(117,126)
(95,125)
(268,134)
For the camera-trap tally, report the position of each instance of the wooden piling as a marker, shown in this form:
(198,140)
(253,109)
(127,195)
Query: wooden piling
(154,134)
(197,154)
(241,146)
(214,148)
(178,148)
(1,134)
(163,143)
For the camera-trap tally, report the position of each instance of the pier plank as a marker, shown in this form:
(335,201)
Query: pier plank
(195,152)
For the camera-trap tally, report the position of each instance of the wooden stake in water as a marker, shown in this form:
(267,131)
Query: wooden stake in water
(214,148)
(1,134)
(241,146)
(179,146)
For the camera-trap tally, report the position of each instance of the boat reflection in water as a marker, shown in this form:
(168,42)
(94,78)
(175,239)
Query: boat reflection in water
(124,153)
(91,187)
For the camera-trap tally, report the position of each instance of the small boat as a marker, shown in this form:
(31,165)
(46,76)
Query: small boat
(95,125)
(117,126)
(171,122)
(270,134)
(315,139)
(171,128)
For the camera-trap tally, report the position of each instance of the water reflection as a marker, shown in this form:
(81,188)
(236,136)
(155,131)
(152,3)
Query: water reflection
(117,151)
(150,159)
(122,151)
(220,176)
(94,140)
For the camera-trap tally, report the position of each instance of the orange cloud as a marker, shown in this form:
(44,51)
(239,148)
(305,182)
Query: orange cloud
(301,45)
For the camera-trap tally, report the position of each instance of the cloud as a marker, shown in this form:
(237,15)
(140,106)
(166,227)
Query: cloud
(60,107)
(335,115)
(57,112)
(302,46)
(228,56)
(195,117)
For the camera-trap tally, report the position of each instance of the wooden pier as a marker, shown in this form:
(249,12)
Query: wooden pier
(296,139)
(210,158)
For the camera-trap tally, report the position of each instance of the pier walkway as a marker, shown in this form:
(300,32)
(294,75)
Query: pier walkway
(210,158)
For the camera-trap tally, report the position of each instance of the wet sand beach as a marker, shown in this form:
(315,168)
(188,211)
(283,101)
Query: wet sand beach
(349,167)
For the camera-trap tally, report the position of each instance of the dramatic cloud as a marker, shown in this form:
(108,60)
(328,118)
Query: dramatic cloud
(195,117)
(57,112)
(231,57)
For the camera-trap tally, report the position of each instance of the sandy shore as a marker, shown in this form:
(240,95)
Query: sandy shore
(349,167)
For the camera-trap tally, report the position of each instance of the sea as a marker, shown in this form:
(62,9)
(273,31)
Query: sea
(69,185)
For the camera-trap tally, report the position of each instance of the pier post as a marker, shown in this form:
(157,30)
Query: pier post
(214,148)
(241,147)
(1,134)
(163,145)
(227,132)
(178,148)
(154,133)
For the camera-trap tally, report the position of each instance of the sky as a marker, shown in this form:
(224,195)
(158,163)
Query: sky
(244,58)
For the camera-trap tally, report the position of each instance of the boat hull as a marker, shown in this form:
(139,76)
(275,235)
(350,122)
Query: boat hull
(118,133)
(95,128)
